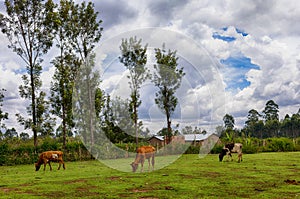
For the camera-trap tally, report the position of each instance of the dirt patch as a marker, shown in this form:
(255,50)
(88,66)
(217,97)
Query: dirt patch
(75,181)
(293,182)
(212,174)
(5,190)
(140,190)
(113,178)
(187,176)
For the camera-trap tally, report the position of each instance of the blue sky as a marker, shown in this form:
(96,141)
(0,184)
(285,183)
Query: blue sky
(240,65)
(237,64)
(236,59)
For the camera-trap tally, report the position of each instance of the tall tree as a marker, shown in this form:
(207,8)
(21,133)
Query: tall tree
(295,122)
(134,58)
(26,26)
(286,126)
(271,117)
(86,86)
(229,122)
(229,125)
(3,115)
(271,111)
(66,67)
(251,122)
(167,78)
(86,32)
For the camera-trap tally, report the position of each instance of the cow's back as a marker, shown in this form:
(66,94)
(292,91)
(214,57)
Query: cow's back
(52,155)
(145,149)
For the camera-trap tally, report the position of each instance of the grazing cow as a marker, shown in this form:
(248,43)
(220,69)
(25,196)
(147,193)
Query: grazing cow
(232,148)
(50,156)
(143,152)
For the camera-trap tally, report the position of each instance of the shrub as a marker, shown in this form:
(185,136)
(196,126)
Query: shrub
(279,145)
(250,149)
(4,150)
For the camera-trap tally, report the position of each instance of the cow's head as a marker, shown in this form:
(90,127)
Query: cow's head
(37,166)
(222,154)
(134,166)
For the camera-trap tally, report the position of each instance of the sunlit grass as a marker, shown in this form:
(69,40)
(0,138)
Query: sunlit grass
(258,176)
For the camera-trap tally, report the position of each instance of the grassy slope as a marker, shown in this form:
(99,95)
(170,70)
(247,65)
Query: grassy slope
(258,176)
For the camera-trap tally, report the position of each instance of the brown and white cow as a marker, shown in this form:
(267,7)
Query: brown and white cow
(232,148)
(50,156)
(143,152)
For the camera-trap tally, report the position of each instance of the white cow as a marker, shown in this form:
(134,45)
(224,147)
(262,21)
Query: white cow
(232,148)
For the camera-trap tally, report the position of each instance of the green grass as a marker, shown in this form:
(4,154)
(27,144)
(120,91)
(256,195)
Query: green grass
(258,176)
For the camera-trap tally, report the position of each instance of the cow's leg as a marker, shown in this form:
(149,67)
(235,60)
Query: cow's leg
(240,157)
(153,161)
(50,165)
(149,164)
(59,164)
(142,162)
(229,155)
(45,162)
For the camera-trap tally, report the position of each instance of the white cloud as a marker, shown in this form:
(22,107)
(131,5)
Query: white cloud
(272,43)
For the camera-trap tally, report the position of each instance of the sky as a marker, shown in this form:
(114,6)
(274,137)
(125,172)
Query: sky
(237,55)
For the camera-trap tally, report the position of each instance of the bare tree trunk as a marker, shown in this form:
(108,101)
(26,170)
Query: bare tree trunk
(135,126)
(64,124)
(33,107)
(91,123)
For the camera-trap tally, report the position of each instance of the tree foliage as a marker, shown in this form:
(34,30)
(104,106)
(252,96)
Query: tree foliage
(134,58)
(26,26)
(271,111)
(167,78)
(66,66)
(3,115)
(86,86)
(229,122)
(85,28)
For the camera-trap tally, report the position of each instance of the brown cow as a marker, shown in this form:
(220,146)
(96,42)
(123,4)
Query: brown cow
(50,156)
(143,152)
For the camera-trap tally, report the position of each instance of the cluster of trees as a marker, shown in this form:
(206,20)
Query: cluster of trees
(33,27)
(264,125)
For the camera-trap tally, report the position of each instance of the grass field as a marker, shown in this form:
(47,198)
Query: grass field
(264,175)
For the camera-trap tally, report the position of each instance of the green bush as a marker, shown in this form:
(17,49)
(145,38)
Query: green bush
(17,151)
(193,150)
(250,149)
(49,144)
(4,150)
(279,145)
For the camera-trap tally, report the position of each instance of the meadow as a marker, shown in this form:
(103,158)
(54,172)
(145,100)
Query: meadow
(262,175)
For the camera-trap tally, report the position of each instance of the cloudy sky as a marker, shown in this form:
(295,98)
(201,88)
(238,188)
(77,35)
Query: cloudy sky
(237,55)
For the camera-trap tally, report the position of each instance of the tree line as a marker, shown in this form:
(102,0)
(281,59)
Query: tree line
(33,27)
(263,125)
